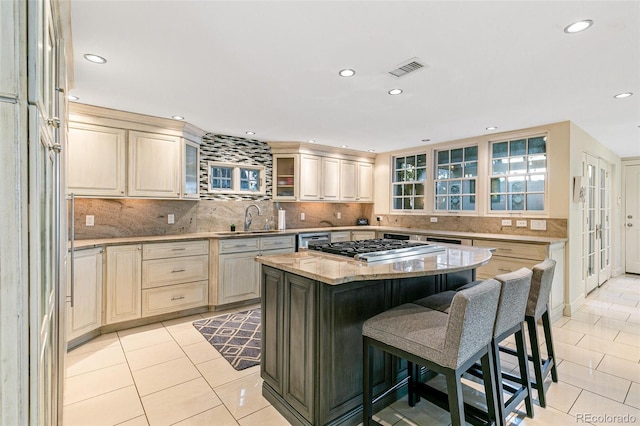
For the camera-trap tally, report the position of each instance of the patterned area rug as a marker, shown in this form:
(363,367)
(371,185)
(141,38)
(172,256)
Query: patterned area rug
(235,336)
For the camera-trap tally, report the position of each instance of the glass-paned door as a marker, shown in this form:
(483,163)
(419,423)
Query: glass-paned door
(604,222)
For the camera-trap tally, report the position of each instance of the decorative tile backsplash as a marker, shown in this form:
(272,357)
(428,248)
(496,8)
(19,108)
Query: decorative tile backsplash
(231,149)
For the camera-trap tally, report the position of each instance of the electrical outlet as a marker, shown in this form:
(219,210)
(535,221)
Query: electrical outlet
(338,215)
(538,225)
(379,218)
(90,220)
(506,222)
(171,218)
(433,219)
(521,223)
(302,217)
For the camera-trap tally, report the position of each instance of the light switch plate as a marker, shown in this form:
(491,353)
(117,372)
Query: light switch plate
(302,216)
(171,219)
(433,219)
(521,223)
(90,220)
(506,222)
(538,225)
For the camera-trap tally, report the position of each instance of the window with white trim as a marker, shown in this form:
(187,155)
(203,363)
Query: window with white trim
(518,174)
(232,178)
(408,182)
(455,176)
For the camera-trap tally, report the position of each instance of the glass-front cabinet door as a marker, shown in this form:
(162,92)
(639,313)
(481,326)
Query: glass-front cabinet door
(286,177)
(190,170)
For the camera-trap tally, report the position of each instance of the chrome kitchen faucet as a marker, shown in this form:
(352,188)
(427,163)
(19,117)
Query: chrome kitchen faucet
(247,216)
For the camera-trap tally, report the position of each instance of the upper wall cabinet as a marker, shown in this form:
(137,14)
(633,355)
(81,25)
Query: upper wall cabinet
(120,154)
(96,159)
(154,165)
(304,172)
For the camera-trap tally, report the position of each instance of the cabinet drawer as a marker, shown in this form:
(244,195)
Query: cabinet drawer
(160,272)
(173,298)
(501,265)
(284,241)
(519,250)
(337,237)
(237,245)
(175,249)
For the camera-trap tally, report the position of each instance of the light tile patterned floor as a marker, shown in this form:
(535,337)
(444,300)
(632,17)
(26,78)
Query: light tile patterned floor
(165,373)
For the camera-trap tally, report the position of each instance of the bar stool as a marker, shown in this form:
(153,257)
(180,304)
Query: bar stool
(538,307)
(514,295)
(445,343)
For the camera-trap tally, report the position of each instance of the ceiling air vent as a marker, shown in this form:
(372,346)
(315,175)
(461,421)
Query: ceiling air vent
(412,65)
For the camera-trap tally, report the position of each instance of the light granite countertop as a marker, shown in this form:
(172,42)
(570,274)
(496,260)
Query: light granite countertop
(81,244)
(334,269)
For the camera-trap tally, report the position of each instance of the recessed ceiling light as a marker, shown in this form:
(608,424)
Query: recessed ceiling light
(371,150)
(491,128)
(347,72)
(73,98)
(426,140)
(344,146)
(578,26)
(94,58)
(311,141)
(623,95)
(395,91)
(250,133)
(177,117)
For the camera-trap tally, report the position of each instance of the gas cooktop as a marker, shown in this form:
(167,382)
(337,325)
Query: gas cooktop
(376,250)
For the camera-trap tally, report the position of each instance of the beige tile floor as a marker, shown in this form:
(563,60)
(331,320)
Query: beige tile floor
(166,373)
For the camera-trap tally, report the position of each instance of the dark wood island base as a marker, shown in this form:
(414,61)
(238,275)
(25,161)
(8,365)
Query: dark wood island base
(312,340)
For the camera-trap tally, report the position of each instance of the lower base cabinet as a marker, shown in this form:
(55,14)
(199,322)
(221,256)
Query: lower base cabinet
(124,283)
(86,313)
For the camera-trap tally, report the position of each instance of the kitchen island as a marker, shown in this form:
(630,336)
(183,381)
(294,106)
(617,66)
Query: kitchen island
(313,307)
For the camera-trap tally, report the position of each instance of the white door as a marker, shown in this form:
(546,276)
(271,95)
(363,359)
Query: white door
(603,226)
(632,219)
(597,223)
(43,271)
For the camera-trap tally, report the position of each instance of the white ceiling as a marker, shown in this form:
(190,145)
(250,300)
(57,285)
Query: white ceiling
(272,67)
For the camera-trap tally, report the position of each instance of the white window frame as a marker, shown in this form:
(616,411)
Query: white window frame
(235,178)
(526,174)
(434,181)
(424,182)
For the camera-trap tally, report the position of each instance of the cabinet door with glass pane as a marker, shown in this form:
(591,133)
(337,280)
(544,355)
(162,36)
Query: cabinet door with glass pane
(190,170)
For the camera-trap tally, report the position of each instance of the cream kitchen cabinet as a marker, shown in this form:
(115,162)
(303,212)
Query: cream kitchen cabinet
(238,277)
(175,276)
(319,178)
(154,165)
(86,291)
(509,256)
(96,159)
(286,177)
(123,283)
(362,235)
(356,181)
(190,170)
(340,236)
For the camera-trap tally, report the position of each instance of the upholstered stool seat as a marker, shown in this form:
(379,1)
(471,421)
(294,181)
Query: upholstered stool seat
(445,343)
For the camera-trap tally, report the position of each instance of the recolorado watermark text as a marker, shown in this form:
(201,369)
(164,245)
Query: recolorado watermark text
(605,418)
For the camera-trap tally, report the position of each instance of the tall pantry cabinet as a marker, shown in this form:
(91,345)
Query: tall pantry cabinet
(33,82)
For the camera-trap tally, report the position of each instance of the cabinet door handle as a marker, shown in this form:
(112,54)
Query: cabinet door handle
(54,122)
(177,298)
(177,270)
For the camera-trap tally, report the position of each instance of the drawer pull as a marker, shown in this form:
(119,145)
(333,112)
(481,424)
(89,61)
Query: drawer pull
(177,270)
(504,270)
(178,249)
(505,249)
(177,298)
